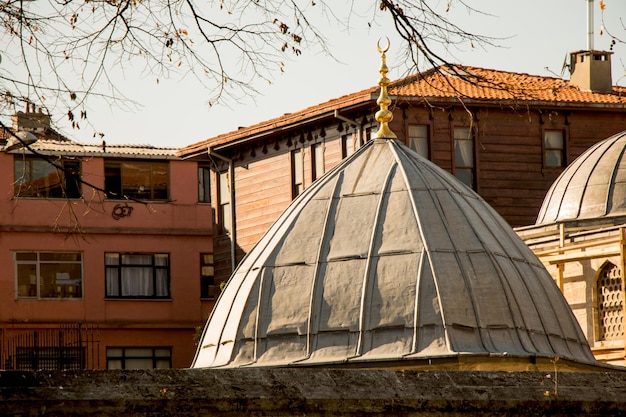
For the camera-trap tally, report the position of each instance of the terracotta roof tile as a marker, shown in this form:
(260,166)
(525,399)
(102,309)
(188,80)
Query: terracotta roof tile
(443,84)
(489,84)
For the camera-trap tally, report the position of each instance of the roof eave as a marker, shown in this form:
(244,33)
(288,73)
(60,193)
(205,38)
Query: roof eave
(239,137)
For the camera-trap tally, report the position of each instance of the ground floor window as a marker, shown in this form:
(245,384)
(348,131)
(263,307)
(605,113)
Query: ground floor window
(48,274)
(139,357)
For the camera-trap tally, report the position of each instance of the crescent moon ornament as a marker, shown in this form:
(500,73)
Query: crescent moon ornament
(386,48)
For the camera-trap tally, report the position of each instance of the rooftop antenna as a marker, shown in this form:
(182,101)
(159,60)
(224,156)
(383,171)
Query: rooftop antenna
(590,25)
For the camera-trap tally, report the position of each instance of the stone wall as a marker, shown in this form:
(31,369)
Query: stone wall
(311,392)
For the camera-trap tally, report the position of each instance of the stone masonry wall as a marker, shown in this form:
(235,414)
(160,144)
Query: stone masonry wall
(311,392)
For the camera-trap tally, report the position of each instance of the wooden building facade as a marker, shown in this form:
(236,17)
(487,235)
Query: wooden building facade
(506,135)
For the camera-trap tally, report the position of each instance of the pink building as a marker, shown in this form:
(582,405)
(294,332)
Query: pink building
(111,271)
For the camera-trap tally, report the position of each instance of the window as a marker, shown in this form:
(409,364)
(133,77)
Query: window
(138,180)
(208,287)
(553,148)
(610,303)
(225,217)
(139,357)
(418,139)
(464,156)
(48,274)
(36,177)
(344,146)
(204,184)
(317,161)
(297,174)
(137,275)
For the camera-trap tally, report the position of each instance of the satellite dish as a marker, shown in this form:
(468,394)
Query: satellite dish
(565,65)
(20,140)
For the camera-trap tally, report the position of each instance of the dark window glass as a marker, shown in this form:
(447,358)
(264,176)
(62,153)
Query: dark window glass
(297,173)
(139,357)
(36,177)
(317,161)
(204,185)
(209,289)
(137,180)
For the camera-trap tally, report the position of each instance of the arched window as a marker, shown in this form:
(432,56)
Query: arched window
(610,303)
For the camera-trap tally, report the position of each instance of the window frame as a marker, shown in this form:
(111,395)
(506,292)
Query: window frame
(119,267)
(471,169)
(317,160)
(116,188)
(60,288)
(297,172)
(224,213)
(204,184)
(209,287)
(68,178)
(545,149)
(410,138)
(124,356)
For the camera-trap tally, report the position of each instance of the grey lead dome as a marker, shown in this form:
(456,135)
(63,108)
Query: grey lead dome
(388,258)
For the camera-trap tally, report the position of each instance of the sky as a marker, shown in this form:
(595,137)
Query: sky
(534,37)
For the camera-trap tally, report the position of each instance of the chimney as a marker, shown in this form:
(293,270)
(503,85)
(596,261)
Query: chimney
(591,70)
(31,120)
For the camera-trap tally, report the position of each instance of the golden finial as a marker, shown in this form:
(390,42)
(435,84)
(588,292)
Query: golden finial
(384,115)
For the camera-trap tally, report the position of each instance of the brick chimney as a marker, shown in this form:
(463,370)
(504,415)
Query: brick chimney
(591,71)
(31,120)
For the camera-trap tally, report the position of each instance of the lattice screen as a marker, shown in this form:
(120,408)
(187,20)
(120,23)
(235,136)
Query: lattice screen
(610,303)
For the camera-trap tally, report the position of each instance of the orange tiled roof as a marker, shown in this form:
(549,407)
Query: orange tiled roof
(442,84)
(486,84)
(282,121)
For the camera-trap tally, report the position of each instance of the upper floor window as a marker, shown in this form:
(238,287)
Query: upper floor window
(224,216)
(317,161)
(464,156)
(347,144)
(137,275)
(418,139)
(297,173)
(48,274)
(139,357)
(137,180)
(204,184)
(554,148)
(35,177)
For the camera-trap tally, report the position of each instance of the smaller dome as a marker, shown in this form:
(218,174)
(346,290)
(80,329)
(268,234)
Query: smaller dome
(591,187)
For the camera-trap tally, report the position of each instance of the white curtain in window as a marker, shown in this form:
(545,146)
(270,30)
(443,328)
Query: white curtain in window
(464,153)
(137,281)
(112,279)
(162,289)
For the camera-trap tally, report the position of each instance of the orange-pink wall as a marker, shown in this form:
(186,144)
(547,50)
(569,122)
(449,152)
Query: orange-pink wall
(181,228)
